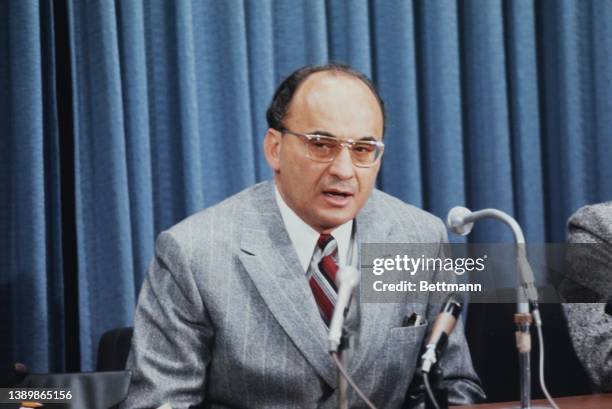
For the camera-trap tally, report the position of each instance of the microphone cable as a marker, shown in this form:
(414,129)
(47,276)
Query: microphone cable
(350,381)
(429,391)
(538,324)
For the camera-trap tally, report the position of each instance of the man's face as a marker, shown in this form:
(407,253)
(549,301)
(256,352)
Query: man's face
(325,195)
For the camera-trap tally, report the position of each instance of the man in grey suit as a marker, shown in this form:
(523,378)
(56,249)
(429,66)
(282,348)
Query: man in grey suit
(234,310)
(590,279)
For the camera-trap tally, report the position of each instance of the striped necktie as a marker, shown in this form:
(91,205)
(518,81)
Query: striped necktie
(322,273)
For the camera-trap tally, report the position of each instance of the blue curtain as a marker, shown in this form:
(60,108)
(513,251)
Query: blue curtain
(31,277)
(490,103)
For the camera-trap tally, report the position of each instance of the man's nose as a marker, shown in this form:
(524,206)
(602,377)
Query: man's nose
(342,165)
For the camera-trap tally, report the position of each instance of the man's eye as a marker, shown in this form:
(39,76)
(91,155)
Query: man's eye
(323,144)
(363,148)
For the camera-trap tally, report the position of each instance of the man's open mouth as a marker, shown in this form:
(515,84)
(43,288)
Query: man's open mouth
(333,193)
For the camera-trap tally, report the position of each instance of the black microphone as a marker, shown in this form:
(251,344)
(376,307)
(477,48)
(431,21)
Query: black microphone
(609,308)
(442,328)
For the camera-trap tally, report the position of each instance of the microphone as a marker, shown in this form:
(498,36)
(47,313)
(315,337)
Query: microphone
(442,328)
(347,280)
(609,308)
(461,221)
(456,220)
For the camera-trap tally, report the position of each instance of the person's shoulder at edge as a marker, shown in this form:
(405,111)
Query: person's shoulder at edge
(594,220)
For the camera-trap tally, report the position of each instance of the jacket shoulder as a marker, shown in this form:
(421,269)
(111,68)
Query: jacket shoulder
(402,212)
(219,220)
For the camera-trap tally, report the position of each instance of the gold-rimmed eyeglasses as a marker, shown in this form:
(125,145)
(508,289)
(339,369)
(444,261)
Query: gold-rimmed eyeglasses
(365,152)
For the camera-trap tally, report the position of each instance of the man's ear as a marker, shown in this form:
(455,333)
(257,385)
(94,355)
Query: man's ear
(272,147)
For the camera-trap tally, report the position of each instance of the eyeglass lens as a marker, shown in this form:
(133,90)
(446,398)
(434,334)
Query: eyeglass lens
(326,149)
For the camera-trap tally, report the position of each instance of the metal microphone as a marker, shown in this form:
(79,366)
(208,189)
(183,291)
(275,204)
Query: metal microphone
(442,328)
(461,221)
(456,220)
(347,280)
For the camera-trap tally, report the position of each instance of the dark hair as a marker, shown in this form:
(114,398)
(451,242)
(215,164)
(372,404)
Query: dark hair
(286,90)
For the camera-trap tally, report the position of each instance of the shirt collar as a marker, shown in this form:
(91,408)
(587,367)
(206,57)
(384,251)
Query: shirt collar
(304,238)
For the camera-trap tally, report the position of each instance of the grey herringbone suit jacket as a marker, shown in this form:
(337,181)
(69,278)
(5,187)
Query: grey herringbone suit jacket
(226,318)
(590,267)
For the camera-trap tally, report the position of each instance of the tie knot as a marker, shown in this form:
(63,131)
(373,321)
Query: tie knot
(324,240)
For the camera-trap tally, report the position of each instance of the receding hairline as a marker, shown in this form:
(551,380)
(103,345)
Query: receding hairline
(285,92)
(335,72)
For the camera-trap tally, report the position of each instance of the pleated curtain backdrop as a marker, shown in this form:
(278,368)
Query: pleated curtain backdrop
(31,278)
(491,103)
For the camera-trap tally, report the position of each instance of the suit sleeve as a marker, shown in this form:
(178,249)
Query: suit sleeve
(589,273)
(171,345)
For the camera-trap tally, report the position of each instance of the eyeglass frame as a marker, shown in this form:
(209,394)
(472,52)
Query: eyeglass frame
(348,143)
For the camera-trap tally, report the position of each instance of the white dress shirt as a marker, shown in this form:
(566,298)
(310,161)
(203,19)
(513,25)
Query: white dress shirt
(304,238)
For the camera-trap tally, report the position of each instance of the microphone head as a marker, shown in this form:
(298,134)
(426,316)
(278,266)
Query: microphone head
(349,276)
(453,304)
(456,220)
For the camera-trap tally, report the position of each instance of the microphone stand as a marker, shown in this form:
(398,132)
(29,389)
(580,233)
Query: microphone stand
(342,382)
(461,220)
(347,279)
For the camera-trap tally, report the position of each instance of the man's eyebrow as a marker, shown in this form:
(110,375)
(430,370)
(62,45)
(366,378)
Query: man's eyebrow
(368,138)
(331,135)
(323,133)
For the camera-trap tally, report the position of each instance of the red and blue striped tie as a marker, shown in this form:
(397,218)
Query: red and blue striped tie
(322,271)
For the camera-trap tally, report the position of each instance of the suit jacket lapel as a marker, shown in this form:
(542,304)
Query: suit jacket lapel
(272,263)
